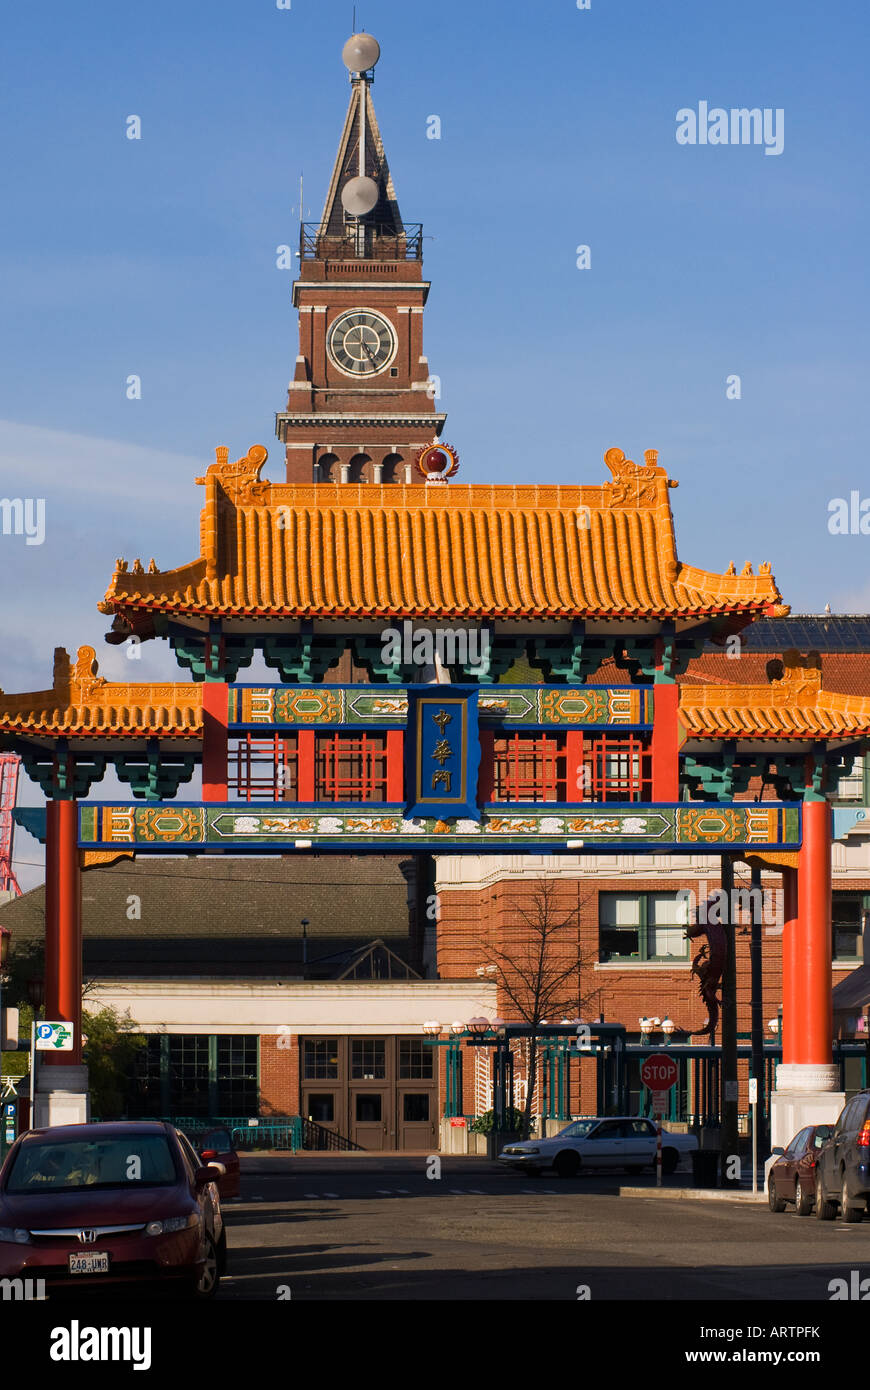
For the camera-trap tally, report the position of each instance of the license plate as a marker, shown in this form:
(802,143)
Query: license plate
(95,1262)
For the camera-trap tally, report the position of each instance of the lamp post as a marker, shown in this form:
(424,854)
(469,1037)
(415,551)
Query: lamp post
(305,925)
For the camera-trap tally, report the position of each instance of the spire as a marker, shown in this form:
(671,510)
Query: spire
(361,217)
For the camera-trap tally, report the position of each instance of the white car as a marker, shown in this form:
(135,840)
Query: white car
(615,1142)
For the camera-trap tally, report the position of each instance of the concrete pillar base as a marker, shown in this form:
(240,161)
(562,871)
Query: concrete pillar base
(791,1107)
(62,1097)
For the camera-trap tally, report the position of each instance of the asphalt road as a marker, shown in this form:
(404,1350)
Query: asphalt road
(314,1230)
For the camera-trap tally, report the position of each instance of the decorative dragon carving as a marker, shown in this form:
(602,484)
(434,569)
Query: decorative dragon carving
(708,966)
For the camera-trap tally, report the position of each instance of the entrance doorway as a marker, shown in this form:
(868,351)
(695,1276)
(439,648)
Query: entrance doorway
(381,1093)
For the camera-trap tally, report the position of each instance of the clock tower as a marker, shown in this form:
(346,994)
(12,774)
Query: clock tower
(361,402)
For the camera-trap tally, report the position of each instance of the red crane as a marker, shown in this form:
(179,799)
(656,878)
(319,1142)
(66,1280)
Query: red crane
(10,765)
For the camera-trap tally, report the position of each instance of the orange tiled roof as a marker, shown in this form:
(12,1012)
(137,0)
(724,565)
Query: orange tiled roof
(438,550)
(82,702)
(794,706)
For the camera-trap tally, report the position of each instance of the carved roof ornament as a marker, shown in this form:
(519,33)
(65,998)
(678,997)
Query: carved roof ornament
(802,675)
(81,701)
(437,461)
(634,485)
(240,480)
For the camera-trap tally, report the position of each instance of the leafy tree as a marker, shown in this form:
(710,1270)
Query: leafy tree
(110,1051)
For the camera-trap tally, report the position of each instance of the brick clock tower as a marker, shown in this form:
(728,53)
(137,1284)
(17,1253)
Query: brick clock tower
(361,403)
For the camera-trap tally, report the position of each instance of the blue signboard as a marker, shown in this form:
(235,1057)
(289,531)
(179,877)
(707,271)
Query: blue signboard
(442,754)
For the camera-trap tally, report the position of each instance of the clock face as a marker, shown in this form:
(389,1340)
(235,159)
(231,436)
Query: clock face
(361,343)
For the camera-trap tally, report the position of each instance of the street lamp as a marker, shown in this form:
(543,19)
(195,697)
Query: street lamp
(432,1028)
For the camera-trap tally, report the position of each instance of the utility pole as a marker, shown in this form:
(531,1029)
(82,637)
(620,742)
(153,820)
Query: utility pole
(756,906)
(729,1102)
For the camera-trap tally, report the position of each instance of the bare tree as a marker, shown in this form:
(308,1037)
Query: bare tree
(540,965)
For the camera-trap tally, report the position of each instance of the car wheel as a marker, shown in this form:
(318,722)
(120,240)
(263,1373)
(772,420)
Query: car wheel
(803,1200)
(207,1283)
(567,1164)
(670,1159)
(774,1201)
(848,1210)
(825,1210)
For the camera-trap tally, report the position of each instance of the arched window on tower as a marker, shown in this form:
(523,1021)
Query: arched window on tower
(393,469)
(328,468)
(359,469)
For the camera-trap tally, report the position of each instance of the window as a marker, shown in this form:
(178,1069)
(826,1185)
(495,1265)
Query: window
(415,1108)
(415,1060)
(320,1059)
(846,913)
(262,768)
(642,927)
(368,1059)
(603,767)
(851,786)
(188,1074)
(321,1109)
(237,1085)
(529,767)
(368,1108)
(351,769)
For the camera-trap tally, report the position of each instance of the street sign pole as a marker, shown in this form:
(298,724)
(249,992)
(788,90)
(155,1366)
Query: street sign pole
(32,1072)
(753,1102)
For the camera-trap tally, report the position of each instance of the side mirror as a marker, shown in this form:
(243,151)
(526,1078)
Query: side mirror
(210,1173)
(778,1152)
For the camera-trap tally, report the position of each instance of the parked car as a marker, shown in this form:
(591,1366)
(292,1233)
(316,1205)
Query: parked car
(90,1206)
(793,1177)
(214,1145)
(843,1165)
(624,1141)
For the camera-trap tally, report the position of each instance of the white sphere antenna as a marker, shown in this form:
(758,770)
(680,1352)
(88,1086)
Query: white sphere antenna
(360,53)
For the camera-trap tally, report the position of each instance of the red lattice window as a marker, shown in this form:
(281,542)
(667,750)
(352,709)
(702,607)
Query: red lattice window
(262,768)
(529,767)
(615,768)
(351,768)
(569,767)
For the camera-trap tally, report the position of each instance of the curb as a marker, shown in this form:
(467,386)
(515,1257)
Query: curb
(697,1194)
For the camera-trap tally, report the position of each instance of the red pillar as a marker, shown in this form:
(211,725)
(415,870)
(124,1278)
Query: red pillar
(63,926)
(790,941)
(306,753)
(215,718)
(812,1038)
(395,765)
(665,743)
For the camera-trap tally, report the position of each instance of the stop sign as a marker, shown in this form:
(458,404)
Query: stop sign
(659,1072)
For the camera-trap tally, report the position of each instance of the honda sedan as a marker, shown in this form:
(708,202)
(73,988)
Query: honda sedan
(98,1205)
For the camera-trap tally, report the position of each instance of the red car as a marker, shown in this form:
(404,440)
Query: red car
(86,1206)
(215,1145)
(793,1177)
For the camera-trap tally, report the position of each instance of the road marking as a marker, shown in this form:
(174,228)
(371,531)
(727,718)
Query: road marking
(384,1192)
(403,1190)
(315,1195)
(332,1195)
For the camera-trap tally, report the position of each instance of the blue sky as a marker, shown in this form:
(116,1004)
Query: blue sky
(157,257)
